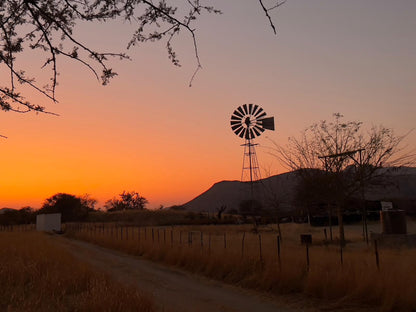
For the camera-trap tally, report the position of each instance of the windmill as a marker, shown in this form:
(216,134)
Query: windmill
(248,122)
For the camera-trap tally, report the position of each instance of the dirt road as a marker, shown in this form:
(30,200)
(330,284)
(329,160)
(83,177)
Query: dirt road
(174,290)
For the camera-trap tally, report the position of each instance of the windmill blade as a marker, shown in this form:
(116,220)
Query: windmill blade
(237,113)
(235,122)
(237,132)
(256,131)
(235,118)
(254,110)
(258,128)
(259,117)
(245,108)
(243,133)
(241,111)
(250,109)
(233,127)
(267,123)
(258,112)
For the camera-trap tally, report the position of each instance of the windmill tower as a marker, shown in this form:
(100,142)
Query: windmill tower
(248,122)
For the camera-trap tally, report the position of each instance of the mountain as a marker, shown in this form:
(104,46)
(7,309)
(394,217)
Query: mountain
(397,184)
(231,193)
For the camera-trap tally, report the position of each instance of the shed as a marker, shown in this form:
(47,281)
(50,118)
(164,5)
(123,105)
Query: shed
(48,222)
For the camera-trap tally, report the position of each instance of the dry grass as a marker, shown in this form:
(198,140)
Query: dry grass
(38,275)
(357,282)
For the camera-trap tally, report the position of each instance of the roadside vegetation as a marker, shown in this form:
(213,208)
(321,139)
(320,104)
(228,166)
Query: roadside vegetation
(237,255)
(38,275)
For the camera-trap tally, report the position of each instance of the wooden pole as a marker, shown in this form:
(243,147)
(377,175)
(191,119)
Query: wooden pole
(376,253)
(242,245)
(260,253)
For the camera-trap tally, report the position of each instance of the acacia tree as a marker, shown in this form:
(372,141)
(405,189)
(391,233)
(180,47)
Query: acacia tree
(48,26)
(127,201)
(71,207)
(336,159)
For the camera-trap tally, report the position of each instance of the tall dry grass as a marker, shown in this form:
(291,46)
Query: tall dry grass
(38,275)
(357,281)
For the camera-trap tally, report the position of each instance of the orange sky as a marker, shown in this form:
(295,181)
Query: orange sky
(149,132)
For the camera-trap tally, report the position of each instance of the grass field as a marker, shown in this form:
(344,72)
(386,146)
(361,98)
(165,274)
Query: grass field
(237,255)
(38,275)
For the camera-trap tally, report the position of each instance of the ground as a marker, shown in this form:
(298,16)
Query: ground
(175,290)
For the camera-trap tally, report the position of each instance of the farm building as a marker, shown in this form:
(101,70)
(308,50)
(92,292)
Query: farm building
(48,222)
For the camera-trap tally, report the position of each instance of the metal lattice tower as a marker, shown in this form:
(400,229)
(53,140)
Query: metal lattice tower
(251,170)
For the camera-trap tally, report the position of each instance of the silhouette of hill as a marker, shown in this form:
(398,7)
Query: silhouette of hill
(397,184)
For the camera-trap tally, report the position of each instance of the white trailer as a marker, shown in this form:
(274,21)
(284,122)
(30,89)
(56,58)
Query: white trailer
(48,222)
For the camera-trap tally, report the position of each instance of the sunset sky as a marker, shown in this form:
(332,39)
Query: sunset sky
(150,132)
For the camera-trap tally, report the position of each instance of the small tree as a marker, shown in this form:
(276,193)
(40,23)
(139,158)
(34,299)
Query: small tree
(336,159)
(70,206)
(127,201)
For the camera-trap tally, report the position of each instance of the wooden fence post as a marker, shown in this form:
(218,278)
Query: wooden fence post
(376,253)
(242,245)
(278,250)
(260,253)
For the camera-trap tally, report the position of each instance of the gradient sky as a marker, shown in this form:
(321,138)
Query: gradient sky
(148,131)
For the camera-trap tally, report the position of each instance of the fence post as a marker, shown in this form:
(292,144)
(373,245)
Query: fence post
(260,253)
(307,257)
(209,243)
(341,254)
(171,237)
(278,250)
(376,253)
(164,236)
(242,245)
(153,236)
(189,239)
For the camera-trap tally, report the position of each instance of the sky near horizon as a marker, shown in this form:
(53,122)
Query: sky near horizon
(150,132)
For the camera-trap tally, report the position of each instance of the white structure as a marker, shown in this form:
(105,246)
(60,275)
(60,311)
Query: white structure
(48,222)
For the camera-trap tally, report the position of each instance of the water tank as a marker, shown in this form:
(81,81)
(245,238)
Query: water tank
(393,222)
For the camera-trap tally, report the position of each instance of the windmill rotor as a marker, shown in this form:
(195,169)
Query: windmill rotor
(249,121)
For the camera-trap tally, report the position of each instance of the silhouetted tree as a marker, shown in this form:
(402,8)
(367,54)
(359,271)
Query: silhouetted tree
(343,157)
(48,26)
(127,201)
(88,201)
(24,215)
(70,206)
(220,211)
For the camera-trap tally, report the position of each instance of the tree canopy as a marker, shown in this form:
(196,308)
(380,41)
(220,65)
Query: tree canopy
(48,26)
(336,159)
(71,207)
(128,201)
